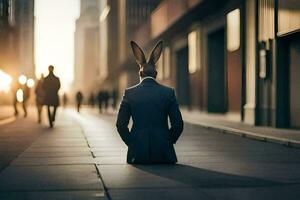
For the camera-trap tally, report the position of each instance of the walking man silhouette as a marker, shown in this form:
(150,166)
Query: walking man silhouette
(79,98)
(149,104)
(51,86)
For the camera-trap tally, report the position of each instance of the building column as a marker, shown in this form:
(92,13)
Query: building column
(250,57)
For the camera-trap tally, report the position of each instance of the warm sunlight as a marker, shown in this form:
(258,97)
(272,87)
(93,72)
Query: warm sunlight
(54,37)
(5,81)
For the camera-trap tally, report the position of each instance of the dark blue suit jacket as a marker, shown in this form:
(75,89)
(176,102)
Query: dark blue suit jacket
(150,139)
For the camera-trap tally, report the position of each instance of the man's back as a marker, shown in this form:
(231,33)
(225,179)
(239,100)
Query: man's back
(51,85)
(150,140)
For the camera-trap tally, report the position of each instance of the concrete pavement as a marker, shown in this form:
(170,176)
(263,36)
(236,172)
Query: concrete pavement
(83,157)
(231,124)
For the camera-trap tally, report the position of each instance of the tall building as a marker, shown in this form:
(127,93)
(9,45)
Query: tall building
(87,46)
(17,36)
(24,22)
(3,31)
(118,22)
(8,37)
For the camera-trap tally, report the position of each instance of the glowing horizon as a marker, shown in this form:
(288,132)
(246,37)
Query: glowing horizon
(54,38)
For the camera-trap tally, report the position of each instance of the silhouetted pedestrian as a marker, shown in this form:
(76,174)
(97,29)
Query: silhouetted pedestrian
(149,104)
(92,100)
(39,97)
(51,86)
(65,100)
(114,98)
(15,87)
(26,95)
(79,98)
(100,100)
(106,100)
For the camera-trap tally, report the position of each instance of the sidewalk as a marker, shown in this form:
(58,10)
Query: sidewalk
(6,114)
(47,163)
(230,124)
(84,158)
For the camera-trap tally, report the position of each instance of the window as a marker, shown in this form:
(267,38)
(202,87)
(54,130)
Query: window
(160,71)
(233,30)
(194,45)
(167,62)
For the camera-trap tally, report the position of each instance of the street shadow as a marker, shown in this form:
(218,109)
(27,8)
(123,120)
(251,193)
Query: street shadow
(204,178)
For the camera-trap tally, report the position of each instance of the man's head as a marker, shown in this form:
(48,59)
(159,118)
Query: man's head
(50,68)
(147,68)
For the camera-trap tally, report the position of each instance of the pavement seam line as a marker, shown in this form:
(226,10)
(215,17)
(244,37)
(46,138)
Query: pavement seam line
(95,164)
(104,185)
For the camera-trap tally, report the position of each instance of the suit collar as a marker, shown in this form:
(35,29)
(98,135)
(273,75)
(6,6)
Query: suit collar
(148,80)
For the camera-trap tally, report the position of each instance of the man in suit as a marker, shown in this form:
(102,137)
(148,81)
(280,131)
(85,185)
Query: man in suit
(51,85)
(149,104)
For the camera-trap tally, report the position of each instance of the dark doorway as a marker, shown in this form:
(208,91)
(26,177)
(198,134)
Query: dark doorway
(288,84)
(216,94)
(182,77)
(295,82)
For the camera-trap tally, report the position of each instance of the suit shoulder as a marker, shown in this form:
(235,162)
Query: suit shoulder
(132,88)
(166,88)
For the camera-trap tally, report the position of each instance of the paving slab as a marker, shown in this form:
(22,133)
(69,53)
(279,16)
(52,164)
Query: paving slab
(115,160)
(54,161)
(109,153)
(58,149)
(55,154)
(54,195)
(42,142)
(158,194)
(127,176)
(58,177)
(288,192)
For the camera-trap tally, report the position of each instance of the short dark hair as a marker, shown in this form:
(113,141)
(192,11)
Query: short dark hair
(148,70)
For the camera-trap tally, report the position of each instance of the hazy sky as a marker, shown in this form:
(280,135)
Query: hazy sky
(54,37)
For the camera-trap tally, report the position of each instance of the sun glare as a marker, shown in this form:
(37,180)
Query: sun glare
(54,38)
(5,81)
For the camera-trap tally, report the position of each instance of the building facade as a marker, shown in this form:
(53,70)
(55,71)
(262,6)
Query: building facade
(4,28)
(87,47)
(236,58)
(17,37)
(24,22)
(119,21)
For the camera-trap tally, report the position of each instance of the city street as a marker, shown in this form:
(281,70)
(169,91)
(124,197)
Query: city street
(83,157)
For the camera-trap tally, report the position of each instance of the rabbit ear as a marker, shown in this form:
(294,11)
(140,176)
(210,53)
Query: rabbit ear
(138,53)
(156,52)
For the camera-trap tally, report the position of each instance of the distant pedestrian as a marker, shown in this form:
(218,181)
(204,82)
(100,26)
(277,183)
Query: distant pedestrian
(51,86)
(92,100)
(65,100)
(15,87)
(100,100)
(39,97)
(114,98)
(106,100)
(26,95)
(79,98)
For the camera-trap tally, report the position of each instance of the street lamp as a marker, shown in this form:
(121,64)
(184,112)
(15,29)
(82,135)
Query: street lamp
(30,83)
(22,79)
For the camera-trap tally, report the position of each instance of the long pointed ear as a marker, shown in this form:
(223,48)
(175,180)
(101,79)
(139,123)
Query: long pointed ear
(138,53)
(156,52)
